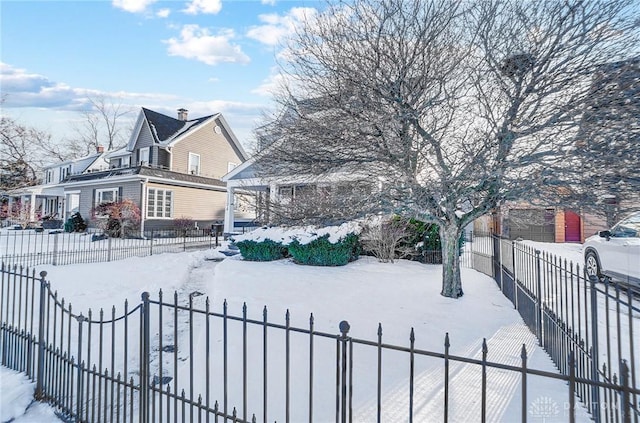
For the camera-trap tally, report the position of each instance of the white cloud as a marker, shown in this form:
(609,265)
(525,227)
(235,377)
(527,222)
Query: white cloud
(270,85)
(24,89)
(269,2)
(133,6)
(203,6)
(199,44)
(277,27)
(163,13)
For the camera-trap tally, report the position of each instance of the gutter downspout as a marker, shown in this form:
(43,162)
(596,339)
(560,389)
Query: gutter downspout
(143,204)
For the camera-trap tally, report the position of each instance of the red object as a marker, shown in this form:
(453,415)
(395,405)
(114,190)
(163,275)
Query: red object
(571,227)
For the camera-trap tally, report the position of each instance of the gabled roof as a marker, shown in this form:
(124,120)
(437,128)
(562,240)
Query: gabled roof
(167,130)
(79,165)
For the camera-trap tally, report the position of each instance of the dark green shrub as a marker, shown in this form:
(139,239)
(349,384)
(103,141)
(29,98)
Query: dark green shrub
(266,250)
(426,237)
(75,223)
(321,252)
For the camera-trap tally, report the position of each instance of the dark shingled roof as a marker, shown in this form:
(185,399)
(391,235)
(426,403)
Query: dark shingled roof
(165,128)
(146,171)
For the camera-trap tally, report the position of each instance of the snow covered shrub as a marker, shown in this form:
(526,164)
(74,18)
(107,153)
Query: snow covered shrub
(326,246)
(382,239)
(322,252)
(265,250)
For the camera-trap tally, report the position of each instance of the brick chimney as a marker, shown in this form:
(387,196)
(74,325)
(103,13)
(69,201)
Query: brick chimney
(182,114)
(100,149)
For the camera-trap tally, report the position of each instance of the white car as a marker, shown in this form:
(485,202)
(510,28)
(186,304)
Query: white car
(616,252)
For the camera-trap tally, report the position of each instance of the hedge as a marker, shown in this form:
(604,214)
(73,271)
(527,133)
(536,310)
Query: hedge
(321,252)
(266,250)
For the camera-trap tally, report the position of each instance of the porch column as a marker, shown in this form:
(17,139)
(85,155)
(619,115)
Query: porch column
(273,193)
(229,210)
(32,207)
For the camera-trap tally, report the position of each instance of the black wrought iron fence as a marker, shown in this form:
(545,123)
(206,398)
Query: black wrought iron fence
(30,248)
(177,360)
(593,319)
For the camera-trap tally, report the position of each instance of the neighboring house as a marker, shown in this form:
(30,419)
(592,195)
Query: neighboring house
(535,223)
(295,194)
(48,198)
(545,224)
(171,168)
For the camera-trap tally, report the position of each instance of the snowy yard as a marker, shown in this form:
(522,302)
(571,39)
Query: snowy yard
(400,296)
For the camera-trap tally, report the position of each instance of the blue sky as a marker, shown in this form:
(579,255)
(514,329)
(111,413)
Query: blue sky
(207,56)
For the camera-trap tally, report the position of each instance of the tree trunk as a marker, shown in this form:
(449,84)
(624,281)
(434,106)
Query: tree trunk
(451,281)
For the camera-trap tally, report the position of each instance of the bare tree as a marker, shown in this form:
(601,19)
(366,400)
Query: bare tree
(452,107)
(24,151)
(103,125)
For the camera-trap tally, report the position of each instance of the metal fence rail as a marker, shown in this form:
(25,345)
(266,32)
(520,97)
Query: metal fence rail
(178,360)
(570,314)
(30,248)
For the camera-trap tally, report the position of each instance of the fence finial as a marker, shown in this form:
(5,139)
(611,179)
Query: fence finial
(43,274)
(344,328)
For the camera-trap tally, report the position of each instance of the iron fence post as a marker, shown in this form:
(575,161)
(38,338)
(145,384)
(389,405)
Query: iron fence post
(151,243)
(39,393)
(572,387)
(344,339)
(80,366)
(595,390)
(625,397)
(54,260)
(108,249)
(539,298)
(144,362)
(523,406)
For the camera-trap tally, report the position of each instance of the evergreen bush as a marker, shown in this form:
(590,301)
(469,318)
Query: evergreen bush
(422,242)
(75,223)
(321,252)
(266,250)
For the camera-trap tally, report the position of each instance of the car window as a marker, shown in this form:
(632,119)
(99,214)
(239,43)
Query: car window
(628,228)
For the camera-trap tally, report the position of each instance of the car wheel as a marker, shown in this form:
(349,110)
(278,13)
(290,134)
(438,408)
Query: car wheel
(591,264)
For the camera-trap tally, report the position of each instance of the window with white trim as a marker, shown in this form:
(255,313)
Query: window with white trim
(194,163)
(144,156)
(107,195)
(159,203)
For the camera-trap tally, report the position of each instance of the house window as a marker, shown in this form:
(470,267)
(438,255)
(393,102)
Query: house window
(285,193)
(194,163)
(108,195)
(159,203)
(144,156)
(64,172)
(125,161)
(49,176)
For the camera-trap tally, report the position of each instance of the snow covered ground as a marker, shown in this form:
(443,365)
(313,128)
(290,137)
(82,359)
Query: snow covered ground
(16,400)
(400,296)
